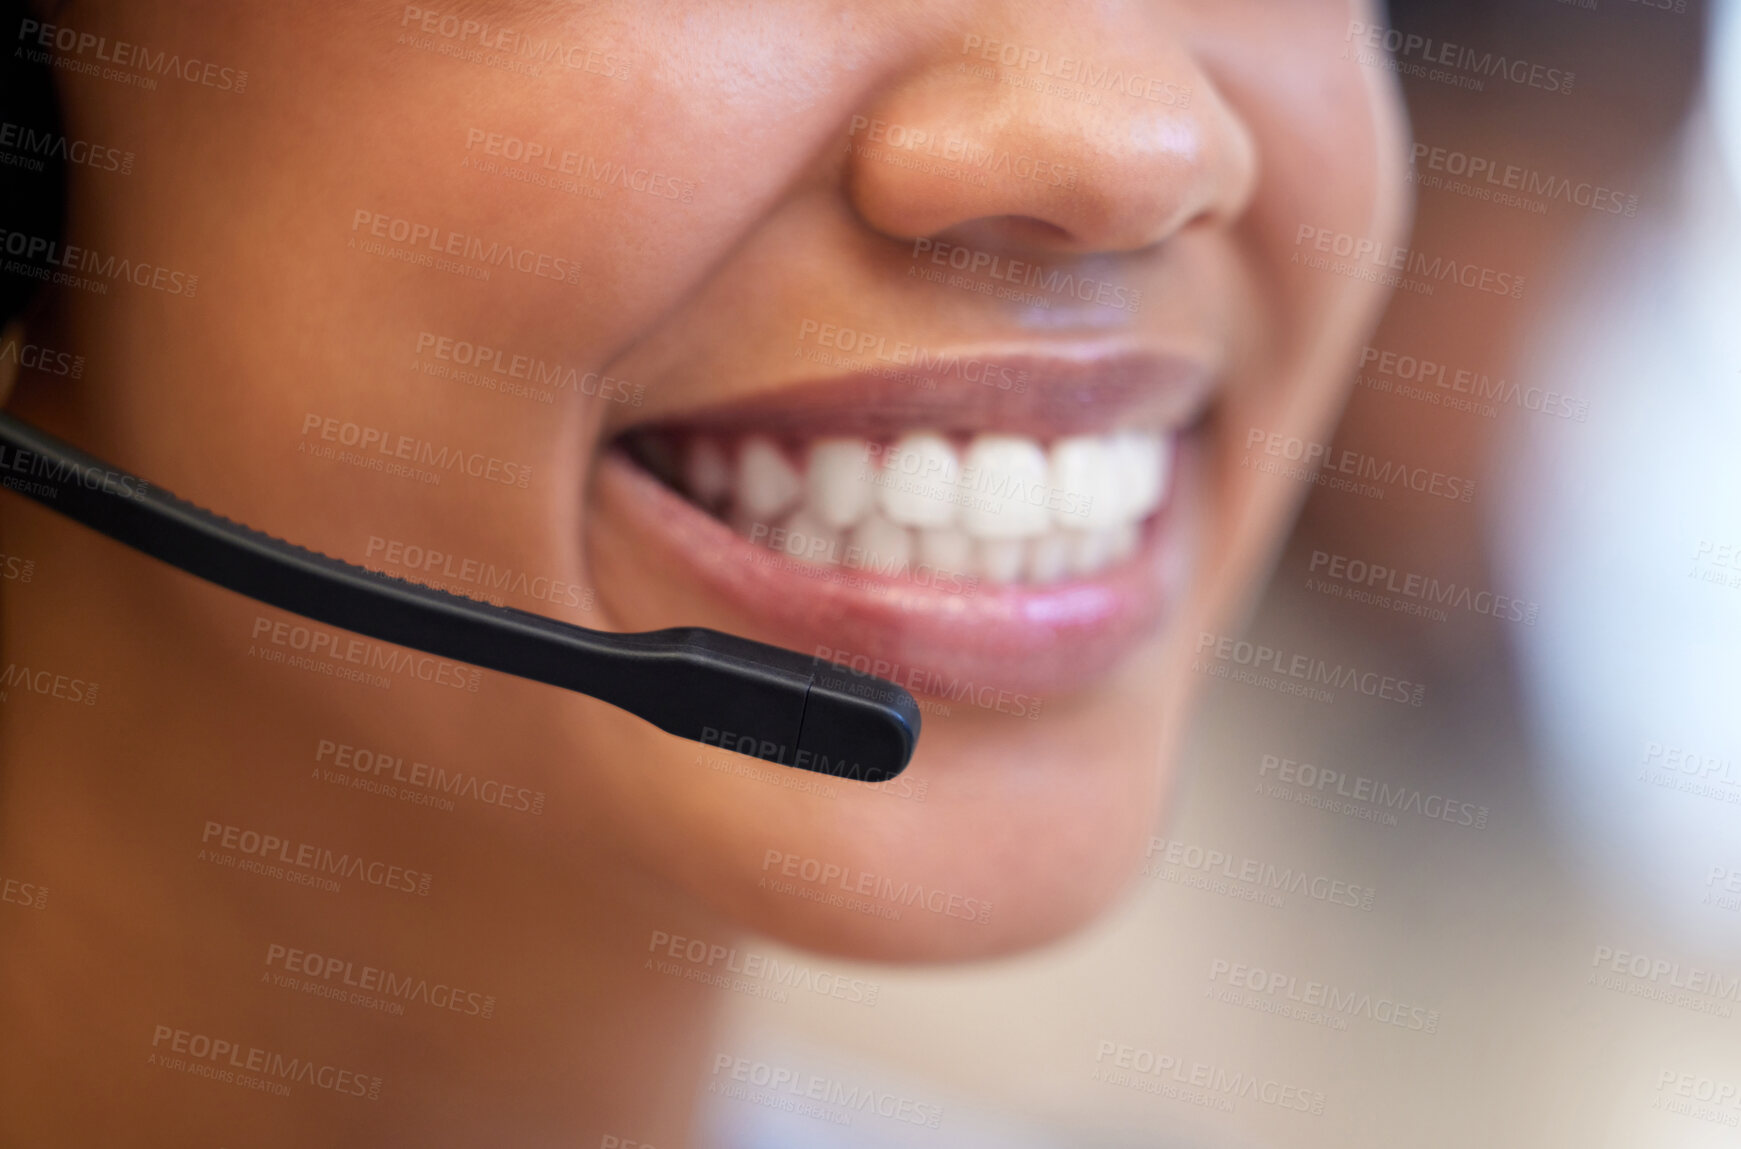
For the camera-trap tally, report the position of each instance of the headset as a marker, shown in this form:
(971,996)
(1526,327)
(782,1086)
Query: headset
(710,687)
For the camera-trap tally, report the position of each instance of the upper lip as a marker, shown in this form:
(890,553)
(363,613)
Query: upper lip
(971,390)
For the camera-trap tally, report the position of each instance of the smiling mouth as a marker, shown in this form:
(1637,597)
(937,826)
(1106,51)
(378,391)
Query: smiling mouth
(1027,534)
(996,507)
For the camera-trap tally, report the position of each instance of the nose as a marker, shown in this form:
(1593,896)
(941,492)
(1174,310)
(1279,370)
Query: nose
(1075,131)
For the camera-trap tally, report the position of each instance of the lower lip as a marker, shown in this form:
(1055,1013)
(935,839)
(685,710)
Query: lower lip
(932,638)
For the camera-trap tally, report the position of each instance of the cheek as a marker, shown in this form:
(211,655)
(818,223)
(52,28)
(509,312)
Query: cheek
(1332,143)
(1332,147)
(1333,198)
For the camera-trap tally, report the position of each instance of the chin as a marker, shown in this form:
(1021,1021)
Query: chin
(1017,845)
(1005,833)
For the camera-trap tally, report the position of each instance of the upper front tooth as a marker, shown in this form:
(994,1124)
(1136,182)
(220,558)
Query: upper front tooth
(1085,473)
(1140,461)
(839,481)
(767,485)
(919,477)
(1009,469)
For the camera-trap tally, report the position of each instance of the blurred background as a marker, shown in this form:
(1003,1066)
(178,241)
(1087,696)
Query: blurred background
(1510,915)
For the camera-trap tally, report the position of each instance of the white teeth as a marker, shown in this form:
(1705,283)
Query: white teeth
(1006,509)
(1140,462)
(946,550)
(1089,550)
(1000,560)
(919,476)
(1048,558)
(887,546)
(838,482)
(1003,473)
(809,538)
(1085,471)
(767,485)
(707,472)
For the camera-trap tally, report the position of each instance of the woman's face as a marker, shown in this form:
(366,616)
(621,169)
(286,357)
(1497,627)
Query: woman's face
(753,317)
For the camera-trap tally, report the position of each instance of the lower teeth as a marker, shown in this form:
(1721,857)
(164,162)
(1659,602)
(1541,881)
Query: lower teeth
(883,548)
